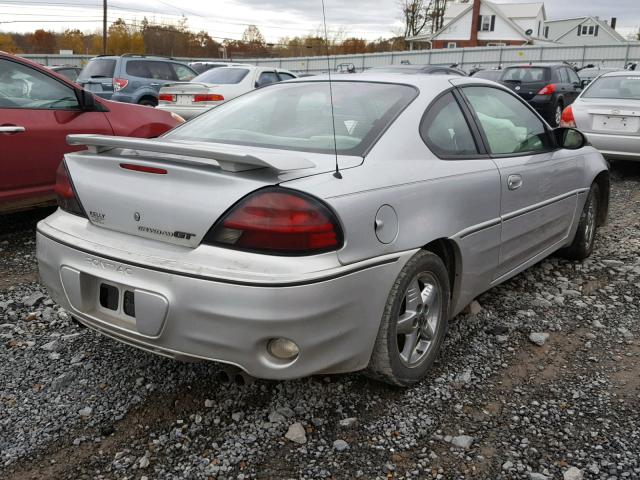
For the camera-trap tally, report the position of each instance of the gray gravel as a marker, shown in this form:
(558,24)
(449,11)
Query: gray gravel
(497,405)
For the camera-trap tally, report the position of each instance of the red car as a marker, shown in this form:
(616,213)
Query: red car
(38,109)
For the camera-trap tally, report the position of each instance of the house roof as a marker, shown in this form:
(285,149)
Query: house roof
(575,21)
(455,11)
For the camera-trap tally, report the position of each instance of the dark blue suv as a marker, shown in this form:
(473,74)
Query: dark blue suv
(132,78)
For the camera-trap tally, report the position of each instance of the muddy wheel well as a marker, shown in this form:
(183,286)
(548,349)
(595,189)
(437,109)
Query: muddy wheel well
(448,252)
(603,182)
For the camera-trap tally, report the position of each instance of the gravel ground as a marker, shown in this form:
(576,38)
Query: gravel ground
(541,379)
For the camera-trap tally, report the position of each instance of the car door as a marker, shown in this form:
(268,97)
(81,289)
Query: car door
(37,112)
(538,182)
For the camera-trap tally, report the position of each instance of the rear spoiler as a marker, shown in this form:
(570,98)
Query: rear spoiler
(231,158)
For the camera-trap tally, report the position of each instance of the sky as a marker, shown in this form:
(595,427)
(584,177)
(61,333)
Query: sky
(276,18)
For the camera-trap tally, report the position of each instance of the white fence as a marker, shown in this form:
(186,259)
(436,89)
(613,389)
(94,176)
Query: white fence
(467,58)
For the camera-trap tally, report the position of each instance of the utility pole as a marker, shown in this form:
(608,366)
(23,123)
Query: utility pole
(104,27)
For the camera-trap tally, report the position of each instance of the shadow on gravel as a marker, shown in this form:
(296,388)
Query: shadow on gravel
(22,221)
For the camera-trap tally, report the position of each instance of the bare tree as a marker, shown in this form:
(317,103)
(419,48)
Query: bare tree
(419,15)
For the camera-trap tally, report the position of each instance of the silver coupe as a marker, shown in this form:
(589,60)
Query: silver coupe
(315,226)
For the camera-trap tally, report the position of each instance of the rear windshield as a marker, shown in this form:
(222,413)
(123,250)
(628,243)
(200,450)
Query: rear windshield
(222,76)
(203,67)
(297,116)
(614,87)
(525,74)
(98,68)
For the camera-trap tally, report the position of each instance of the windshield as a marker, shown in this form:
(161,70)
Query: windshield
(525,74)
(222,76)
(98,68)
(627,87)
(297,116)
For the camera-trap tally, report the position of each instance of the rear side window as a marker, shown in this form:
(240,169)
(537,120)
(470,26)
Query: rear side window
(445,130)
(99,68)
(525,74)
(150,69)
(267,78)
(223,76)
(508,125)
(183,73)
(627,87)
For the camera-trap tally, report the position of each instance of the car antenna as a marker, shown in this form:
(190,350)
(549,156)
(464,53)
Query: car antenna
(337,173)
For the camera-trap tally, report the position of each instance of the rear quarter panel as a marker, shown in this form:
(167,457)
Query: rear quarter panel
(433,199)
(131,120)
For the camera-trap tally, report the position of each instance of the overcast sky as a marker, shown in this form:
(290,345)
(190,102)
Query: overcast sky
(275,18)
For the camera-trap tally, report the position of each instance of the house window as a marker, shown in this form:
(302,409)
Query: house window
(452,45)
(496,44)
(487,23)
(588,30)
(546,32)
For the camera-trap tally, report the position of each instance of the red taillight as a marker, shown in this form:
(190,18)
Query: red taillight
(547,89)
(119,83)
(166,97)
(65,193)
(208,97)
(568,120)
(278,221)
(143,168)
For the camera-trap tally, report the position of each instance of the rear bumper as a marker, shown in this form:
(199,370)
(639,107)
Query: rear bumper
(616,147)
(185,111)
(334,320)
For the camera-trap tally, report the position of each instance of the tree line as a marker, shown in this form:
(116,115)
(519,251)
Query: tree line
(176,39)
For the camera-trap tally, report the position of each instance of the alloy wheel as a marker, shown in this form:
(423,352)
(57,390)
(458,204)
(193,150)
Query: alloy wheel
(419,319)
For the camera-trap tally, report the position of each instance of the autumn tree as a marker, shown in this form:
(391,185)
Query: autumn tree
(122,38)
(7,44)
(42,41)
(72,40)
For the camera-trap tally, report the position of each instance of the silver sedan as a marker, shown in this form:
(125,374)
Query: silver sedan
(608,113)
(290,235)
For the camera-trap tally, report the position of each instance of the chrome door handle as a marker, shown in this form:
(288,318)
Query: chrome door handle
(11,129)
(514,182)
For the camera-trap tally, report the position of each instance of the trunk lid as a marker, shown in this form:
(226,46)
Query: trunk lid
(185,92)
(180,202)
(611,116)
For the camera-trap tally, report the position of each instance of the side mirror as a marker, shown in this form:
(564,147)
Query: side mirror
(570,138)
(584,83)
(86,100)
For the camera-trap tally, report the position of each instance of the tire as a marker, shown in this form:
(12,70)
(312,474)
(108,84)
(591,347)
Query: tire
(147,102)
(393,360)
(583,242)
(557,115)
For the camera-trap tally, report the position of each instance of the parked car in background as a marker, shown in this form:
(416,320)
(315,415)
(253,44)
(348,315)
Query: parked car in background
(548,87)
(216,86)
(231,238)
(608,113)
(132,78)
(419,69)
(38,109)
(587,75)
(201,67)
(493,75)
(69,71)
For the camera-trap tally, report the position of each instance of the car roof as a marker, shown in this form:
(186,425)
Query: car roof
(622,73)
(539,65)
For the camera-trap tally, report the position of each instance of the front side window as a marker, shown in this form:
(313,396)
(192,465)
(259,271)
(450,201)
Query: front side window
(161,71)
(619,87)
(285,76)
(445,130)
(24,87)
(297,116)
(508,125)
(223,76)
